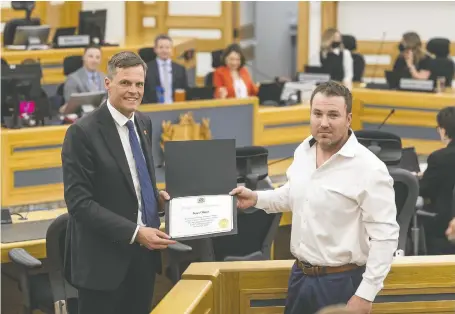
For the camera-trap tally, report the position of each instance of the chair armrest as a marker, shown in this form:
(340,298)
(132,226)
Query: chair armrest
(423,213)
(180,247)
(420,202)
(21,257)
(256,256)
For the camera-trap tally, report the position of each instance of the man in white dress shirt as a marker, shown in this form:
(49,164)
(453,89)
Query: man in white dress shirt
(344,228)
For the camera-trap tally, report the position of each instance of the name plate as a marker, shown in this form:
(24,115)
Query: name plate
(422,85)
(313,77)
(73,41)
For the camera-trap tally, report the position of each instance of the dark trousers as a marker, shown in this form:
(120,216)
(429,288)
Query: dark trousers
(309,294)
(133,296)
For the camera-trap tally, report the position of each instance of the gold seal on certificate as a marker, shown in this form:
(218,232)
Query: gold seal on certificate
(205,215)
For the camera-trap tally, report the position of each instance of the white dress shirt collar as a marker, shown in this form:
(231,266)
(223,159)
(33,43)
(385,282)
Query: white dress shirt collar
(118,117)
(161,62)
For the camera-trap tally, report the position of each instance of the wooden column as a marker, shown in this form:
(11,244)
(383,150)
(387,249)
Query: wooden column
(134,21)
(328,15)
(228,30)
(303,34)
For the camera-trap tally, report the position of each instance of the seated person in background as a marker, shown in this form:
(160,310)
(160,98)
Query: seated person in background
(437,184)
(87,78)
(413,61)
(335,59)
(232,79)
(163,75)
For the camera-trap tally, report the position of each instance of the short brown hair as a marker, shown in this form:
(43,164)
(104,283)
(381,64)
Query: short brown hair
(332,88)
(233,48)
(162,37)
(124,59)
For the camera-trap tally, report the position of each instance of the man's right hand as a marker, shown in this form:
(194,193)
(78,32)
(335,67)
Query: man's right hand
(153,239)
(245,197)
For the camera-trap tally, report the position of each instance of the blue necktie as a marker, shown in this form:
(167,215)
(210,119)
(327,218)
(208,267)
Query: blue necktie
(149,204)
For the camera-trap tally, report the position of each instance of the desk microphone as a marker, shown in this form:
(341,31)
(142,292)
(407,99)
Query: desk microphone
(386,118)
(381,45)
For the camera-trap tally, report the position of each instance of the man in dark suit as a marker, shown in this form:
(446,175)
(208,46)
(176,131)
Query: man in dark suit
(113,240)
(163,76)
(437,185)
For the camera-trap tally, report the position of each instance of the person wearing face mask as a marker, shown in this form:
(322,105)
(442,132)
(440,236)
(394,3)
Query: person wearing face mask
(87,78)
(232,79)
(437,184)
(163,75)
(413,61)
(336,60)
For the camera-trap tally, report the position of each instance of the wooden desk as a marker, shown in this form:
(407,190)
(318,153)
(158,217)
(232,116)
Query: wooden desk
(52,59)
(421,284)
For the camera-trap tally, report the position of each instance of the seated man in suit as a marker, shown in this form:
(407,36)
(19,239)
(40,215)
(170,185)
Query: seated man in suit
(437,185)
(87,78)
(163,76)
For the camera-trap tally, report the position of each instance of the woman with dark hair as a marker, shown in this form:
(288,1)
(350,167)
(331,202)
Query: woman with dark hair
(232,79)
(437,184)
(413,61)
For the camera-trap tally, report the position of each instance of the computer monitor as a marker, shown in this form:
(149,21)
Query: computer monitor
(19,84)
(93,23)
(409,160)
(199,93)
(63,31)
(31,35)
(270,93)
(84,102)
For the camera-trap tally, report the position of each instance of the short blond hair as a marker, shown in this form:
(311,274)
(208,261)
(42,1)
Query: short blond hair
(336,309)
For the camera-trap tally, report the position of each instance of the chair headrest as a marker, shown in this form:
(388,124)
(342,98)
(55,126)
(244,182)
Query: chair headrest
(349,42)
(440,47)
(387,146)
(216,58)
(147,54)
(251,160)
(71,64)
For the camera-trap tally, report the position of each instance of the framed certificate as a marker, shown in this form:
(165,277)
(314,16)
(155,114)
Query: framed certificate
(203,216)
(199,177)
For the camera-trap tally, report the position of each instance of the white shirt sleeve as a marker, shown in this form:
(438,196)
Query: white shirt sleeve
(274,201)
(348,66)
(379,217)
(134,235)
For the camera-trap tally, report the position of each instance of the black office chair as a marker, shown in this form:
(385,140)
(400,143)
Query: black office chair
(70,64)
(216,62)
(256,229)
(350,43)
(442,64)
(9,29)
(47,291)
(147,54)
(406,188)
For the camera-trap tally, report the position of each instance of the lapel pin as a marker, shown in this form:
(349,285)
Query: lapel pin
(145,132)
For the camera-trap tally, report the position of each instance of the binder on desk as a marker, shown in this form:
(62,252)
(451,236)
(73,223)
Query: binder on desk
(197,171)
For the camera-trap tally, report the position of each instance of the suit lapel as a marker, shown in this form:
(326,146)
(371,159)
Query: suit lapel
(157,73)
(84,79)
(113,142)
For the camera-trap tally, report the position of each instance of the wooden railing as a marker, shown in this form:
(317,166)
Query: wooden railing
(423,284)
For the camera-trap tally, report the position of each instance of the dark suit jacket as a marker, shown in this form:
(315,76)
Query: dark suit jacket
(152,80)
(437,185)
(101,200)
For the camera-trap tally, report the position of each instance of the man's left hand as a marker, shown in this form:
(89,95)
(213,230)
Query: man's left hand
(164,196)
(359,305)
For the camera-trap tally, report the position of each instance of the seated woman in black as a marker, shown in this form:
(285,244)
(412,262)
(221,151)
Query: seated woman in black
(335,59)
(437,186)
(413,61)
